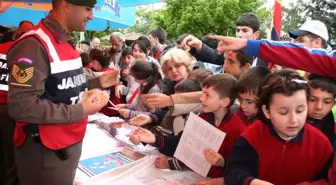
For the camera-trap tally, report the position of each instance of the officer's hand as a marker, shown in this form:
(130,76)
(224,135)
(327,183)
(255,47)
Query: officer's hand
(192,42)
(93,103)
(110,78)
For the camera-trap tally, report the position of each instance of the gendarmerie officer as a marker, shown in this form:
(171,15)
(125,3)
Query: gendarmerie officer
(45,82)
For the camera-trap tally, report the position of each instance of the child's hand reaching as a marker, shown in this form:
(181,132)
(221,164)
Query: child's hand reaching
(213,158)
(161,162)
(141,120)
(142,135)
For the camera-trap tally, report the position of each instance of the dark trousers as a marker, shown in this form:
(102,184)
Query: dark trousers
(38,165)
(8,173)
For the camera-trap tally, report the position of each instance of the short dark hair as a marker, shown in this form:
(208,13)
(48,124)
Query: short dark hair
(159,33)
(280,82)
(200,74)
(188,86)
(225,85)
(250,80)
(181,38)
(242,58)
(324,83)
(85,42)
(212,43)
(101,57)
(85,58)
(126,51)
(249,20)
(313,36)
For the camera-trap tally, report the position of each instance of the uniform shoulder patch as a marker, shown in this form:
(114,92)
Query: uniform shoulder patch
(21,76)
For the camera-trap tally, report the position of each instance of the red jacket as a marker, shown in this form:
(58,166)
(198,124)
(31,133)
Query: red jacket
(244,118)
(295,56)
(65,63)
(331,177)
(233,126)
(260,153)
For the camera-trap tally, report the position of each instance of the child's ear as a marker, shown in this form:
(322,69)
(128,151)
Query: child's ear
(246,67)
(225,102)
(266,112)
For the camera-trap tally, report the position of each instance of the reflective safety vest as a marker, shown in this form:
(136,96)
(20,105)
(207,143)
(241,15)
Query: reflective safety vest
(65,82)
(4,71)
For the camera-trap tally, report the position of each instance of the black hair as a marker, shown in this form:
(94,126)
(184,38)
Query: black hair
(126,51)
(324,83)
(101,57)
(85,42)
(188,86)
(143,43)
(243,58)
(280,82)
(159,33)
(212,43)
(249,20)
(149,71)
(251,79)
(181,37)
(85,58)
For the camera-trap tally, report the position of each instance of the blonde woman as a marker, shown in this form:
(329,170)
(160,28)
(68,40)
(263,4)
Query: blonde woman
(176,65)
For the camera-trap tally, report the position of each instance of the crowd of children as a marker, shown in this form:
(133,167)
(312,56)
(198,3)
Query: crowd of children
(279,126)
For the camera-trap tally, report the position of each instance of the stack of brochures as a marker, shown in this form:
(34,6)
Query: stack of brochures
(100,164)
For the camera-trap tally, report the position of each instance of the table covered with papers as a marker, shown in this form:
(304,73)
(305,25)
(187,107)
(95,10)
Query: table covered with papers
(108,157)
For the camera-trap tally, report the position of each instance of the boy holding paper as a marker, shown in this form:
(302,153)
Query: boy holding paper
(219,93)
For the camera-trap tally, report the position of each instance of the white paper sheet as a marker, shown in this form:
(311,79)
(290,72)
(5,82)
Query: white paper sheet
(197,136)
(102,118)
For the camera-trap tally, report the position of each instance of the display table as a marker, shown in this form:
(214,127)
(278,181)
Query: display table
(143,171)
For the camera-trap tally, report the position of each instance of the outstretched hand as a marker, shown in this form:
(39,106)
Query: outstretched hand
(229,43)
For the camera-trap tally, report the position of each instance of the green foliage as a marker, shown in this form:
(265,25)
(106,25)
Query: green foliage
(292,17)
(298,12)
(144,21)
(324,10)
(200,17)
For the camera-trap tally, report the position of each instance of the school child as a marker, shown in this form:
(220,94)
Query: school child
(199,74)
(148,76)
(280,148)
(128,89)
(321,101)
(248,85)
(156,118)
(236,62)
(219,93)
(172,125)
